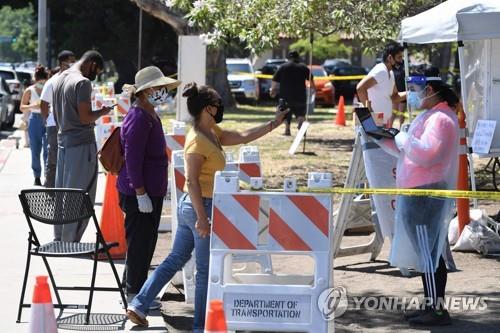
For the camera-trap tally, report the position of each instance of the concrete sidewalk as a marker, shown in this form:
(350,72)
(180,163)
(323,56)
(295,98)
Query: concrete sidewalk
(15,175)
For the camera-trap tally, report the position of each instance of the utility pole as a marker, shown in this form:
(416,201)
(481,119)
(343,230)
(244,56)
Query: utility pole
(42,32)
(139,48)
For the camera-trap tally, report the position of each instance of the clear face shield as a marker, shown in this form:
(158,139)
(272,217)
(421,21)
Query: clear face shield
(416,90)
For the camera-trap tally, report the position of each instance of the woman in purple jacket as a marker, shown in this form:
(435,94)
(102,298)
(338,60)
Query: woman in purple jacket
(142,182)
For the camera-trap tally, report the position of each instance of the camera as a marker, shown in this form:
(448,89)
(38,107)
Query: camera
(282,105)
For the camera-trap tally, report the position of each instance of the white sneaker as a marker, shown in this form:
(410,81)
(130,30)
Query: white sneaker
(155,304)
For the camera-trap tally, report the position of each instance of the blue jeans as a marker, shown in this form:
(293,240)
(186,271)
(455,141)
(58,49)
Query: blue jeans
(186,239)
(38,141)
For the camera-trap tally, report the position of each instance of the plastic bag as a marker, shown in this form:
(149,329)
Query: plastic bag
(482,234)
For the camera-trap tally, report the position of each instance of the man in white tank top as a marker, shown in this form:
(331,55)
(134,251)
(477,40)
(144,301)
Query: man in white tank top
(378,87)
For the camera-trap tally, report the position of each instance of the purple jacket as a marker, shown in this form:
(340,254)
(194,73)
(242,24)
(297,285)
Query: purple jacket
(144,147)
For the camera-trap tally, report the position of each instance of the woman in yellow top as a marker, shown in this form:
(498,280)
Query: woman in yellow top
(203,156)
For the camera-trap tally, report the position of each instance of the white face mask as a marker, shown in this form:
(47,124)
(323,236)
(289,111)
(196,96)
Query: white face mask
(158,97)
(39,85)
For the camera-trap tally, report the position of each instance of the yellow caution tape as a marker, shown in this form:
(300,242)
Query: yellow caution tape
(329,77)
(455,194)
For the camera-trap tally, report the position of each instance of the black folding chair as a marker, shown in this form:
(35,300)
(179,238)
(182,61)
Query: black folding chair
(60,207)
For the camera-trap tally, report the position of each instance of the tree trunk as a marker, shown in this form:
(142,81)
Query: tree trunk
(160,11)
(126,69)
(217,75)
(216,58)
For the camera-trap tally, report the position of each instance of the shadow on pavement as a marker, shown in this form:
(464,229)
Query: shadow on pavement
(463,321)
(97,322)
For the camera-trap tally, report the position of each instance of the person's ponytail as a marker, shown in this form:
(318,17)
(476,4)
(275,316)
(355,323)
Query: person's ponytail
(445,93)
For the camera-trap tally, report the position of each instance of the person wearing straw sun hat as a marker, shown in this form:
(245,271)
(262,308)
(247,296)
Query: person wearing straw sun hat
(203,157)
(142,181)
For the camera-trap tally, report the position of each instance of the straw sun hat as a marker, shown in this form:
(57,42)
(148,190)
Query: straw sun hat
(149,77)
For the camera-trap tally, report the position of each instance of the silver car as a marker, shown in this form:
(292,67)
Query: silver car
(15,85)
(7,114)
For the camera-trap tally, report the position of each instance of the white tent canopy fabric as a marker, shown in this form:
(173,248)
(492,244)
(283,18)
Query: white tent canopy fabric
(453,20)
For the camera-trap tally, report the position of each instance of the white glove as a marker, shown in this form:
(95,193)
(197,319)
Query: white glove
(144,202)
(400,140)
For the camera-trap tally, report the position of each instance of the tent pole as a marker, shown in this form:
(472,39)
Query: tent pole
(407,74)
(463,91)
(311,40)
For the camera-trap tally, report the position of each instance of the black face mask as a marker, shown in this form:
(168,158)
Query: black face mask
(93,74)
(220,112)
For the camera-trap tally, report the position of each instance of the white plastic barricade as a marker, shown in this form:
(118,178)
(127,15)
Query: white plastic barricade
(231,164)
(186,277)
(176,139)
(123,104)
(319,180)
(299,224)
(103,132)
(380,168)
(249,163)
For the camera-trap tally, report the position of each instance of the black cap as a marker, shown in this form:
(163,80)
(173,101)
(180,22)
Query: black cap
(293,55)
(64,55)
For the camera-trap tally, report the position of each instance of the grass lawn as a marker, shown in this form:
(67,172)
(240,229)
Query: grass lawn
(328,147)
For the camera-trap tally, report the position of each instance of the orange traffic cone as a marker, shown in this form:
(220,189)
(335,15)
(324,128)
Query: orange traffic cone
(340,119)
(43,319)
(216,320)
(112,221)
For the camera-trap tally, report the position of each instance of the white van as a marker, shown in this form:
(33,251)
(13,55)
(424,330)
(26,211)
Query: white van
(242,81)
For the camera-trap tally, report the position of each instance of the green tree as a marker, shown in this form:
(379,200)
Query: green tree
(324,47)
(261,23)
(19,24)
(112,27)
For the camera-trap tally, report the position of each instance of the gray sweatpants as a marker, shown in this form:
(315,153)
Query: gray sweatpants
(50,166)
(76,167)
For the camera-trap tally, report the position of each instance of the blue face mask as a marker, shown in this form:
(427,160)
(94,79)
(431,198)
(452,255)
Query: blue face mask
(414,100)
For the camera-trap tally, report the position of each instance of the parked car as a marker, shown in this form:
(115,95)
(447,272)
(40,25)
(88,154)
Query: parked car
(7,114)
(331,64)
(269,68)
(242,81)
(26,76)
(325,91)
(15,85)
(347,88)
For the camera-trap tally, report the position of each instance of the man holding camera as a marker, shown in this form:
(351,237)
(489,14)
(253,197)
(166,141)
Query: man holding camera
(292,77)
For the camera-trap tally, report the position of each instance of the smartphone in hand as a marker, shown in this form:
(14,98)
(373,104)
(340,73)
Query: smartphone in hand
(282,104)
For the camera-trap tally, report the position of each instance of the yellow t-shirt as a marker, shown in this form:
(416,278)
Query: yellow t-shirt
(215,160)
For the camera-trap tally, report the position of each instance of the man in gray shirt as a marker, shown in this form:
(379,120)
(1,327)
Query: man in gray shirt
(77,160)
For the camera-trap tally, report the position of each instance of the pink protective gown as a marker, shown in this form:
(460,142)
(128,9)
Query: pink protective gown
(428,158)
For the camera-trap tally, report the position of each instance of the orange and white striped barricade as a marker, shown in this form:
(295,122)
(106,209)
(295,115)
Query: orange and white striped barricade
(177,175)
(110,88)
(98,101)
(176,139)
(299,224)
(186,277)
(249,163)
(123,104)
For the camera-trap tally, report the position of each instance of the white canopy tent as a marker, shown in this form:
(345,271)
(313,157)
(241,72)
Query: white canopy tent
(475,24)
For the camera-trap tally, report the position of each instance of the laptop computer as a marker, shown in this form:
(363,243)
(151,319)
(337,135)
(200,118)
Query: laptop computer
(369,125)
